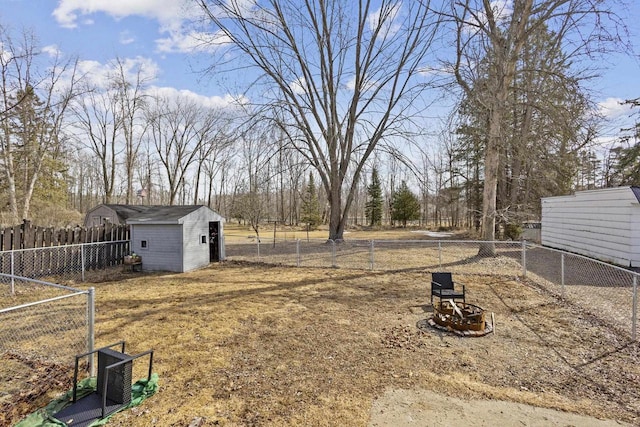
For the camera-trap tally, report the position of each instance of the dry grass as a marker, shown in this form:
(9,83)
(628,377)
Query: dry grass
(248,345)
(258,345)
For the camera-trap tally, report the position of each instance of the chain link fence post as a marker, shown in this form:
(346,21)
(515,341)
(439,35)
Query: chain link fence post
(562,276)
(258,248)
(298,253)
(91,319)
(371,254)
(82,260)
(524,259)
(635,307)
(13,274)
(439,254)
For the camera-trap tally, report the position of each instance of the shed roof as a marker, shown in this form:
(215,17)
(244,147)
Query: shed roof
(164,214)
(138,214)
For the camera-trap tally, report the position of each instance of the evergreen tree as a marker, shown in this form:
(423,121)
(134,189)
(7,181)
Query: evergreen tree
(373,208)
(626,156)
(547,124)
(38,154)
(405,206)
(310,205)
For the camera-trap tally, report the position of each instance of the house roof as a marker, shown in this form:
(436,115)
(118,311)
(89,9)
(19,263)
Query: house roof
(634,190)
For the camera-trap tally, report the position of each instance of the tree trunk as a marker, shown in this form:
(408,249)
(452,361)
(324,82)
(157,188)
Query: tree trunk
(336,219)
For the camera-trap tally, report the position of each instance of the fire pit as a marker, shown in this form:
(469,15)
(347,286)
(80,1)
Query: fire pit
(464,319)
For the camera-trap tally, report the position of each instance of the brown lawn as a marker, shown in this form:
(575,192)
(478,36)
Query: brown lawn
(259,345)
(250,345)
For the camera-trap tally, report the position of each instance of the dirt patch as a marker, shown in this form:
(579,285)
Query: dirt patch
(423,408)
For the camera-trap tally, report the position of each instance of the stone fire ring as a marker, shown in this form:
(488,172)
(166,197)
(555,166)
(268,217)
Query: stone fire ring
(465,320)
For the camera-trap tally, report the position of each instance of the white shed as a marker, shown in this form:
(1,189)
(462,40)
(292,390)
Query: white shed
(177,238)
(602,224)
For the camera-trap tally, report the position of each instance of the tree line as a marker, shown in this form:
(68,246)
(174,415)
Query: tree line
(334,128)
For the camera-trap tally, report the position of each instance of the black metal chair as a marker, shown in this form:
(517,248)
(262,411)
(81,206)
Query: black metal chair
(113,391)
(443,286)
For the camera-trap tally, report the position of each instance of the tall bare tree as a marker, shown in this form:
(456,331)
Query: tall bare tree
(98,127)
(346,74)
(495,33)
(129,86)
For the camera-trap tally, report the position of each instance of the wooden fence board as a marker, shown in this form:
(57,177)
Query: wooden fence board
(27,236)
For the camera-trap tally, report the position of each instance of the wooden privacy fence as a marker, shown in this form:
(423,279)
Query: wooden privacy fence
(27,236)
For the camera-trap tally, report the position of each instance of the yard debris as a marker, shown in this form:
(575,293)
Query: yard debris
(404,337)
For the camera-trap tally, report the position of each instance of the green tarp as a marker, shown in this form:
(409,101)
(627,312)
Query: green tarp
(44,417)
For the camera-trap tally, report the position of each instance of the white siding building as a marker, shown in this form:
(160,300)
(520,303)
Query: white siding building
(177,238)
(602,224)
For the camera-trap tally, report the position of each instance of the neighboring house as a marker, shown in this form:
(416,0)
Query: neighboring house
(170,238)
(602,224)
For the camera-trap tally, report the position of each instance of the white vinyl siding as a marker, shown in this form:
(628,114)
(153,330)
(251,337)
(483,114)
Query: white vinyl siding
(196,255)
(164,246)
(601,224)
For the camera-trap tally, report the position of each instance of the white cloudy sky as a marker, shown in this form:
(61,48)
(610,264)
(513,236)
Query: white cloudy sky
(153,32)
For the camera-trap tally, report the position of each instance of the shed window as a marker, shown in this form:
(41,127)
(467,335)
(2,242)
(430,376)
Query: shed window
(203,239)
(143,244)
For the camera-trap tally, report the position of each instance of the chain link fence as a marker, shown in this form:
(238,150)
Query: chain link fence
(607,291)
(42,327)
(62,263)
(380,255)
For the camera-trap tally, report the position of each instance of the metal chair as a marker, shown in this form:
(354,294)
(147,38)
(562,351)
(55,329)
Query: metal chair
(113,390)
(443,286)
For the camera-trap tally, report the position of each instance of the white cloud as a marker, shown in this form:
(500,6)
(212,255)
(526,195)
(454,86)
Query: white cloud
(173,19)
(126,37)
(612,108)
(298,86)
(52,50)
(502,10)
(192,41)
(99,74)
(368,85)
(169,13)
(388,17)
(219,102)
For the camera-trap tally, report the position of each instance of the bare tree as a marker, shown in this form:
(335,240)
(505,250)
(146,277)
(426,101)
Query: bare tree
(178,129)
(256,155)
(344,73)
(129,91)
(34,98)
(210,156)
(495,34)
(98,127)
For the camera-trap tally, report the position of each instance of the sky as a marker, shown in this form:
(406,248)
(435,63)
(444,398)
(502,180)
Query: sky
(155,33)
